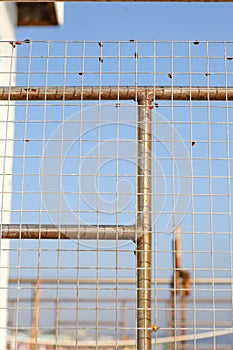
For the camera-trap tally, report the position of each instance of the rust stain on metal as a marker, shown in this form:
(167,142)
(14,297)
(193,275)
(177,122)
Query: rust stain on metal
(17,93)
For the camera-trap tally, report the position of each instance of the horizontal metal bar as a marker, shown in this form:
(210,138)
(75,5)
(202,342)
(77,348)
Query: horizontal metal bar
(33,231)
(116,93)
(112,281)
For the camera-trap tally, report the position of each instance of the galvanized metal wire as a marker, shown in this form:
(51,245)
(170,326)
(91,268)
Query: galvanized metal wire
(116,193)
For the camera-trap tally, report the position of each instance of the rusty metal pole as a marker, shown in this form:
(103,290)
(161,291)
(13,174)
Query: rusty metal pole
(144,221)
(172,306)
(175,283)
(183,317)
(74,93)
(180,283)
(35,314)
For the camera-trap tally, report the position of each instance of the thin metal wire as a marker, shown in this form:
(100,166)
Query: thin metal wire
(229,182)
(6,165)
(77,215)
(192,210)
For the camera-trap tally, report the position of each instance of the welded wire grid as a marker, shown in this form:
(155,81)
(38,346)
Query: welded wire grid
(76,161)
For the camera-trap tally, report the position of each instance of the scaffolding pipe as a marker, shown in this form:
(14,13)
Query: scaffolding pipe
(35,314)
(17,93)
(143,252)
(35,231)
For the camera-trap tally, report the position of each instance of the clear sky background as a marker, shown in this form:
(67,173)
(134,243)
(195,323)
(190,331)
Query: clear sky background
(141,21)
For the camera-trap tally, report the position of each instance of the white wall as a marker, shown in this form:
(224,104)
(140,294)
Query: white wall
(60,12)
(7,32)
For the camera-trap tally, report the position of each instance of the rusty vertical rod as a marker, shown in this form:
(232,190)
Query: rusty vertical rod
(183,317)
(144,220)
(172,312)
(175,283)
(177,248)
(180,285)
(35,314)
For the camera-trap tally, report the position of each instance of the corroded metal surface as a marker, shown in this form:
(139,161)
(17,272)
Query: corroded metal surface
(116,93)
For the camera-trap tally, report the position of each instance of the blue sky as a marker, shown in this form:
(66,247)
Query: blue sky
(142,21)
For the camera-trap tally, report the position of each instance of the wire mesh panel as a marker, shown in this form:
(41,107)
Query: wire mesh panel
(120,182)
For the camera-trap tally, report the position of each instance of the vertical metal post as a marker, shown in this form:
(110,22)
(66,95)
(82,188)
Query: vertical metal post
(35,314)
(144,220)
(183,316)
(172,313)
(176,279)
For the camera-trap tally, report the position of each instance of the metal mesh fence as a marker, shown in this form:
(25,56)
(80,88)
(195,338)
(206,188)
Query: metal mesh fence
(116,192)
